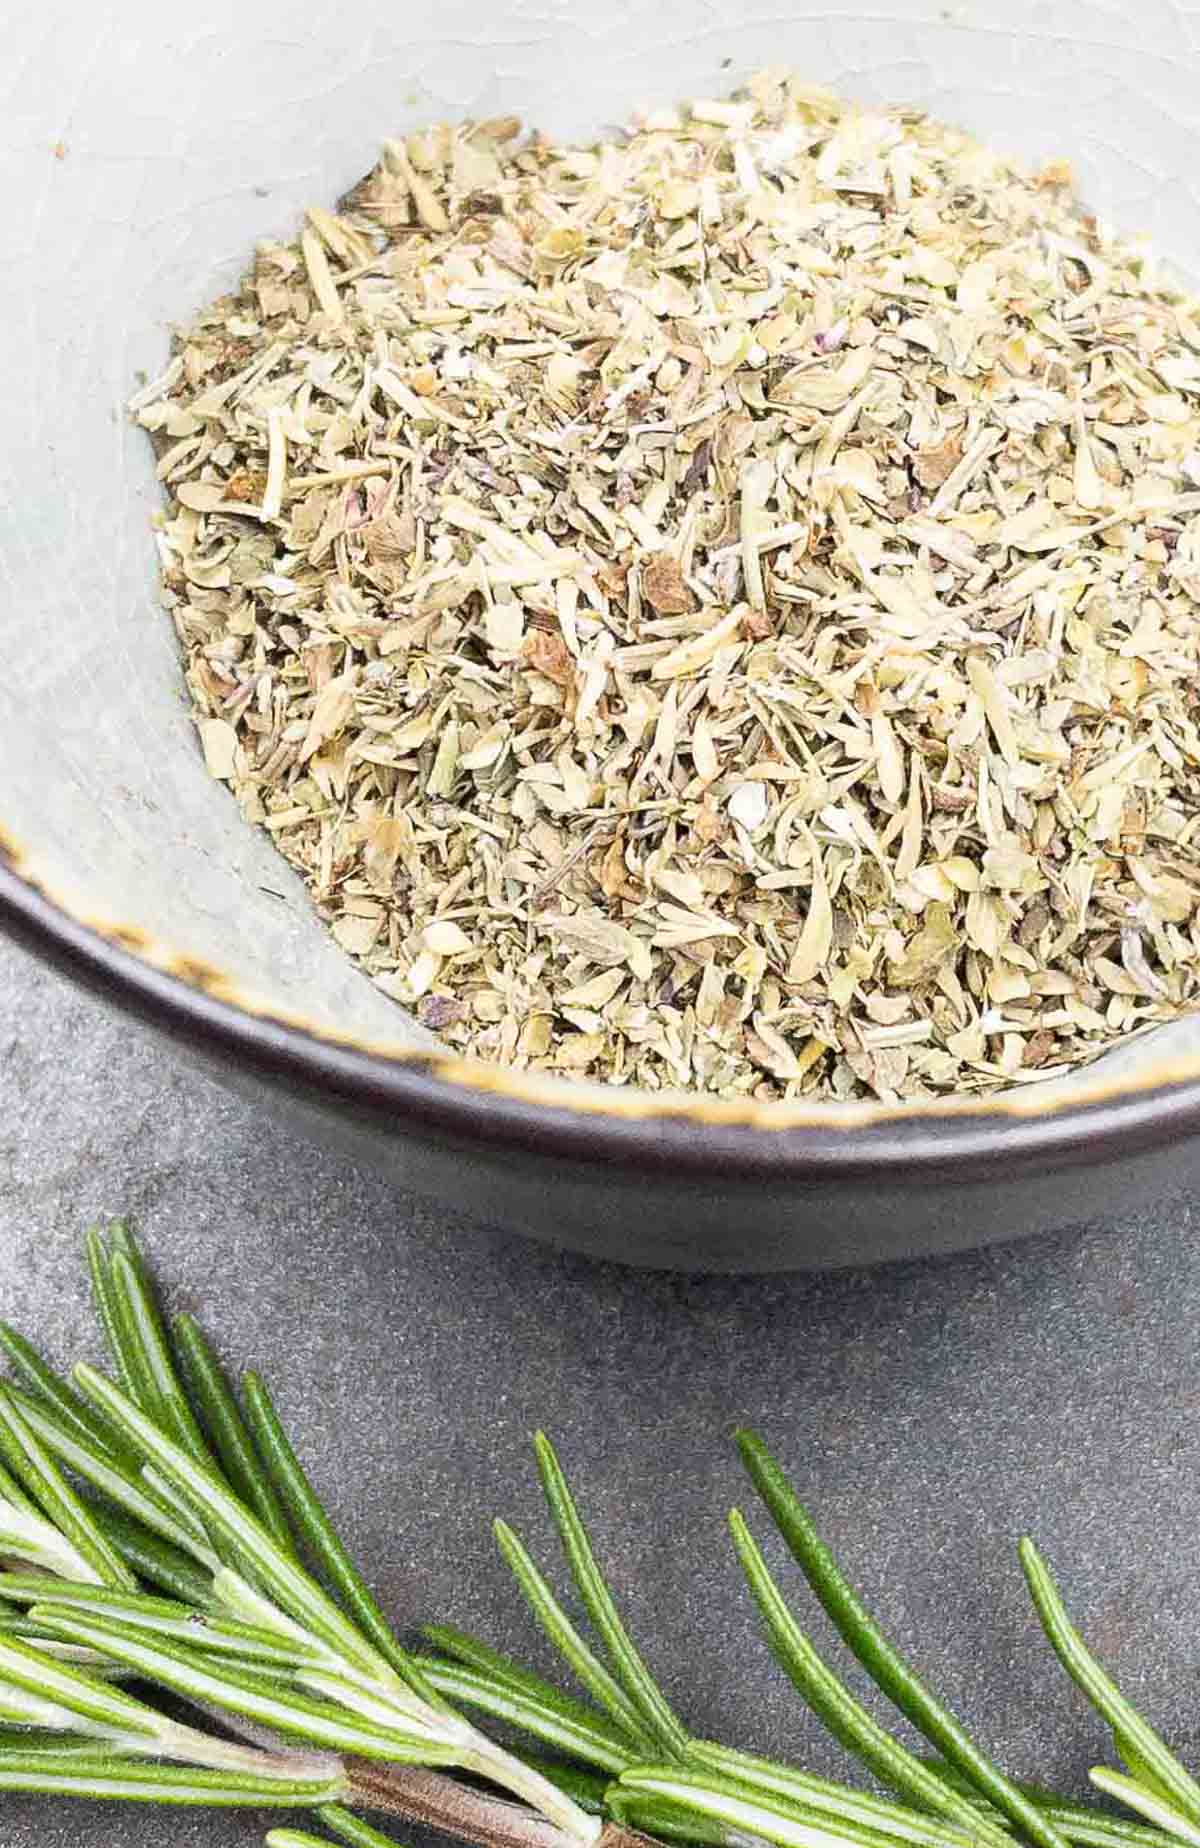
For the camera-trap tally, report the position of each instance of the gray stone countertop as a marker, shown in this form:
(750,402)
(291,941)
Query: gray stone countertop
(930,1413)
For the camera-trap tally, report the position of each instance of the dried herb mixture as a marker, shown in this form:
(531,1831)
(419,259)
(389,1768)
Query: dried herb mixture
(713,609)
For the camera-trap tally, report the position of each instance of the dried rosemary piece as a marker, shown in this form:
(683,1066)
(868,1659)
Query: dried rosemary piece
(714,609)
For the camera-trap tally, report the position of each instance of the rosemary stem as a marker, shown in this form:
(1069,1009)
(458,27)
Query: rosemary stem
(500,1767)
(429,1797)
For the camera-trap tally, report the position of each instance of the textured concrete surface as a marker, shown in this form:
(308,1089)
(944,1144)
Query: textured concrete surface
(930,1412)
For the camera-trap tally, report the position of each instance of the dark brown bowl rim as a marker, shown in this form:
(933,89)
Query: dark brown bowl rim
(904,1150)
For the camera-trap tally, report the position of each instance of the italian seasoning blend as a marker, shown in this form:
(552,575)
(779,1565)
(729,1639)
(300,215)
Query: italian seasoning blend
(714,609)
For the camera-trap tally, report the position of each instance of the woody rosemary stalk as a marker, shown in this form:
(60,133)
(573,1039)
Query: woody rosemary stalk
(157,1526)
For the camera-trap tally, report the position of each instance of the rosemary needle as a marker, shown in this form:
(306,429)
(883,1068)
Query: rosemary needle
(499,1672)
(313,1524)
(96,1775)
(297,1838)
(226,1428)
(845,1717)
(485,1660)
(1131,1731)
(590,1739)
(152,1558)
(104,1299)
(884,1663)
(350,1829)
(630,1670)
(148,1356)
(567,1640)
(1148,1803)
(34,1467)
(43,1384)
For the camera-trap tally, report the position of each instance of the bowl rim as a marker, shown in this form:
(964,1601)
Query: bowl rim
(465,1102)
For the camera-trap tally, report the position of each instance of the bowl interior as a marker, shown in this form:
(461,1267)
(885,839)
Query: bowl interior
(146,154)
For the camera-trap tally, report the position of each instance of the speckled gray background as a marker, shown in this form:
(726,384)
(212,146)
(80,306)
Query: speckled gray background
(930,1412)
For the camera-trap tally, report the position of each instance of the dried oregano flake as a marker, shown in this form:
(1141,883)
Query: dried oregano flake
(713,609)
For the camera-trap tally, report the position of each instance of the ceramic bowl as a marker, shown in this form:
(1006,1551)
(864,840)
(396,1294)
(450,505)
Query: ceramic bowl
(146,149)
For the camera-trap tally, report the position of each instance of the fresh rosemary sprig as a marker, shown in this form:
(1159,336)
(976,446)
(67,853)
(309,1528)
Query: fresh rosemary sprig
(264,1643)
(158,1526)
